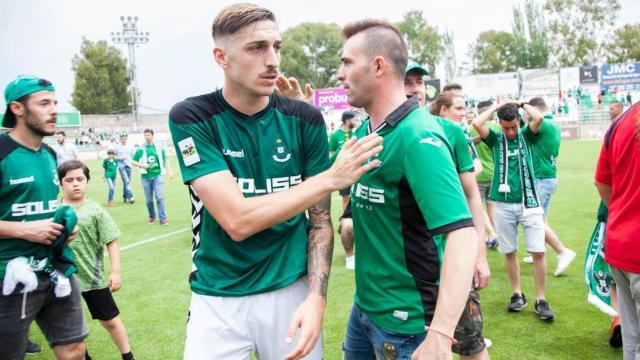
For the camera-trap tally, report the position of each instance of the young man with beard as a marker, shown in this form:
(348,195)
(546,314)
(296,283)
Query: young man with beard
(64,149)
(407,281)
(254,162)
(28,201)
(516,199)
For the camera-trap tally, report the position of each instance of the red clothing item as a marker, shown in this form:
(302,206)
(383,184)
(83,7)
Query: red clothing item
(619,167)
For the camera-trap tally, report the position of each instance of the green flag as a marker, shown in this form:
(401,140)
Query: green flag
(597,273)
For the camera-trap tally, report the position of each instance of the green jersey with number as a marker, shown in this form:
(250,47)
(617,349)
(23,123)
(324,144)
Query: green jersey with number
(545,148)
(28,191)
(270,151)
(399,208)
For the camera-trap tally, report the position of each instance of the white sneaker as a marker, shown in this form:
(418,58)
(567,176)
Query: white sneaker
(564,260)
(487,343)
(528,259)
(350,262)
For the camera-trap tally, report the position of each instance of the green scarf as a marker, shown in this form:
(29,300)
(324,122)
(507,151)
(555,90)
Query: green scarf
(596,270)
(530,199)
(60,255)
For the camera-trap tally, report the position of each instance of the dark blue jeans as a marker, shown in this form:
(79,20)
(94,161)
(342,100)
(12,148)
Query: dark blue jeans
(125,174)
(365,340)
(154,187)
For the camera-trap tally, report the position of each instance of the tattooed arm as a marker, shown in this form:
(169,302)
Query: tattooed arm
(308,316)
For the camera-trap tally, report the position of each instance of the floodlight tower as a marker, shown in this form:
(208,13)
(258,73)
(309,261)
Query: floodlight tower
(132,37)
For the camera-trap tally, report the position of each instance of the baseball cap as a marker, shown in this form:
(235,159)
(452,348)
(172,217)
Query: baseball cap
(413,66)
(348,115)
(23,85)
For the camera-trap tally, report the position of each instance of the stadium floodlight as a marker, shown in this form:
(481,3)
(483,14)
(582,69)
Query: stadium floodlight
(131,37)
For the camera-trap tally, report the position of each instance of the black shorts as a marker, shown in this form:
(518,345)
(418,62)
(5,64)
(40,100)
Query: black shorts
(101,304)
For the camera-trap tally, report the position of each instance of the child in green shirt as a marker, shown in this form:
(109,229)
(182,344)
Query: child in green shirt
(110,166)
(97,230)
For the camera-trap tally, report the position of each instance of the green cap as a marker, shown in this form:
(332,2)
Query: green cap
(412,66)
(21,86)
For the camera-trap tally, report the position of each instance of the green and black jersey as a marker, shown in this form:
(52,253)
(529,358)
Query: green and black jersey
(398,209)
(545,148)
(28,191)
(267,152)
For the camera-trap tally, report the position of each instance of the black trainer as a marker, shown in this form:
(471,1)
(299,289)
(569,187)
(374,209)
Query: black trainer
(543,310)
(33,348)
(518,301)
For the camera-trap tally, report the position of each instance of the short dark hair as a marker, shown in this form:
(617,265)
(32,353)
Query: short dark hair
(234,17)
(110,151)
(538,102)
(148,130)
(452,86)
(60,132)
(508,112)
(69,165)
(482,105)
(382,38)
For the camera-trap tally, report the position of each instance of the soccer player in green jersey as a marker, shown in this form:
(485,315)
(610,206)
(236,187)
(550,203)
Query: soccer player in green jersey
(254,162)
(471,341)
(407,281)
(153,163)
(28,201)
(516,197)
(97,231)
(110,167)
(545,148)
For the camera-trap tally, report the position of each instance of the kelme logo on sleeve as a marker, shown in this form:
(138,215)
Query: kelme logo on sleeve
(431,141)
(188,151)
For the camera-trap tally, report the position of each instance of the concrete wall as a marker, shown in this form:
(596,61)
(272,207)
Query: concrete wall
(158,122)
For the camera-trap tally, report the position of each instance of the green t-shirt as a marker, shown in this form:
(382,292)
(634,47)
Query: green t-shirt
(150,159)
(485,155)
(513,176)
(545,148)
(28,191)
(110,168)
(337,138)
(397,213)
(96,230)
(462,154)
(270,151)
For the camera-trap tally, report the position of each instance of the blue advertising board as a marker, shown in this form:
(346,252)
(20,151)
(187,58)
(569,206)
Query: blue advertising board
(621,77)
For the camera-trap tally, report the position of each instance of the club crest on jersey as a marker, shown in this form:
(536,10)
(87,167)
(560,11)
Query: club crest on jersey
(188,151)
(281,153)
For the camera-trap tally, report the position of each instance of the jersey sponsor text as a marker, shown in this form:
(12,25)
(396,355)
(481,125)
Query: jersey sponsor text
(34,208)
(248,186)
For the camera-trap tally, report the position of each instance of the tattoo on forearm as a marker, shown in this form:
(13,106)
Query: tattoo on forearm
(320,246)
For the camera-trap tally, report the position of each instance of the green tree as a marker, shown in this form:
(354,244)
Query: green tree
(625,45)
(579,29)
(310,53)
(492,52)
(424,42)
(530,34)
(101,82)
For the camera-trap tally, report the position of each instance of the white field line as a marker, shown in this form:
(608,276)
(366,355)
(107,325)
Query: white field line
(155,238)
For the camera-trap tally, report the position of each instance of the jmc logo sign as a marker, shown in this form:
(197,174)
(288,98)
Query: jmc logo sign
(621,77)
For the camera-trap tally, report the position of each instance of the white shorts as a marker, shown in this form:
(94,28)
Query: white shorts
(232,328)
(506,217)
